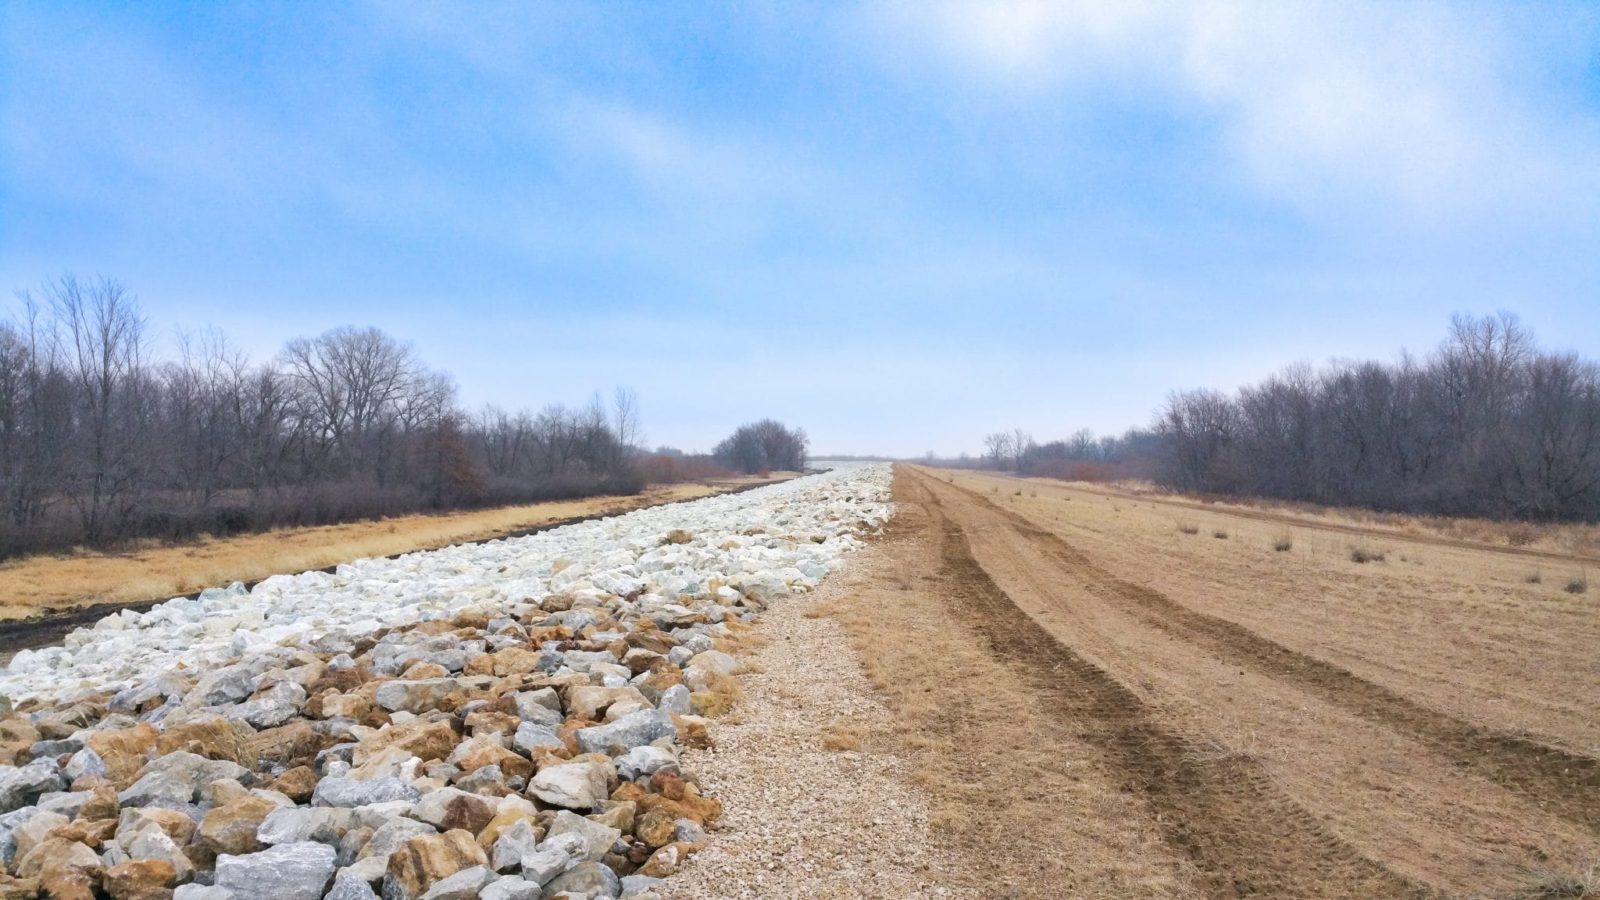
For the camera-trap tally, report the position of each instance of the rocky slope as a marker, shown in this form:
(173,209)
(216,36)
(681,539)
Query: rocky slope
(500,720)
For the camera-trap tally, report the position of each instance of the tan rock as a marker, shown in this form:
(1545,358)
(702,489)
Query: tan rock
(590,701)
(16,736)
(293,744)
(423,739)
(124,751)
(420,670)
(475,753)
(65,869)
(140,879)
(424,860)
(297,784)
(211,736)
(620,816)
(665,861)
(231,827)
(352,706)
(489,721)
(503,820)
(656,827)
(177,826)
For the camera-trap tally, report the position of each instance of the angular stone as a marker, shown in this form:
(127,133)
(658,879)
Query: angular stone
(177,779)
(512,887)
(634,885)
(512,844)
(232,826)
(353,792)
(530,737)
(632,730)
(424,740)
(349,884)
(575,785)
(302,824)
(153,843)
(229,684)
(211,736)
(590,879)
(20,787)
(644,761)
(38,827)
(597,837)
(140,879)
(425,694)
(424,861)
(463,885)
(294,871)
(450,808)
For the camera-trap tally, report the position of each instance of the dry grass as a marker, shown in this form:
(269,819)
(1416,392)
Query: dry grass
(1366,555)
(29,586)
(1549,885)
(1575,539)
(842,736)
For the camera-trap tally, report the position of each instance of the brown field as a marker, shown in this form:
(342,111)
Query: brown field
(41,584)
(1116,696)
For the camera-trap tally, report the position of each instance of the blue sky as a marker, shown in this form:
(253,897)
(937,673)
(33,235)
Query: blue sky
(899,225)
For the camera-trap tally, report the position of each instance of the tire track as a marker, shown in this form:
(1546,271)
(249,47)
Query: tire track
(1564,783)
(1244,837)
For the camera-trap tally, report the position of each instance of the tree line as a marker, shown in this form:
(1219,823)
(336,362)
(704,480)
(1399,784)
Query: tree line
(1489,424)
(101,442)
(763,446)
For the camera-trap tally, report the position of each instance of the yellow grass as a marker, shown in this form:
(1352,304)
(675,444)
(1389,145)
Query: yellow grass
(44,583)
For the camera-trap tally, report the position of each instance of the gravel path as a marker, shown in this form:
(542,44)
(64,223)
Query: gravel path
(800,820)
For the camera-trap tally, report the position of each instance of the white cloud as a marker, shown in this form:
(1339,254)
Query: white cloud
(1416,105)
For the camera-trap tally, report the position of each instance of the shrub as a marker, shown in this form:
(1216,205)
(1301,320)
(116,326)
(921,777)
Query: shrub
(1283,544)
(1578,585)
(1188,528)
(1220,535)
(1533,578)
(1366,555)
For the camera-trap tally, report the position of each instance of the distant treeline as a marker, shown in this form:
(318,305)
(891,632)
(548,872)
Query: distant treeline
(763,446)
(101,443)
(1487,425)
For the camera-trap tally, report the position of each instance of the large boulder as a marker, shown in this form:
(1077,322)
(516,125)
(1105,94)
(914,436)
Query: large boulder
(632,730)
(231,827)
(21,786)
(295,871)
(176,780)
(575,785)
(422,862)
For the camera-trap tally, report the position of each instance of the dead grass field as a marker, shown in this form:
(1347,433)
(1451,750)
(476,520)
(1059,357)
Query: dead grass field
(1110,696)
(29,587)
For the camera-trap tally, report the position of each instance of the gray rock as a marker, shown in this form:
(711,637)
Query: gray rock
(675,700)
(597,837)
(552,858)
(463,885)
(577,785)
(638,884)
(512,844)
(530,735)
(644,761)
(35,829)
(201,892)
(21,786)
(168,687)
(511,887)
(688,831)
(150,842)
(85,762)
(632,730)
(350,845)
(60,747)
(176,780)
(65,802)
(350,885)
(229,684)
(305,824)
(537,706)
(591,879)
(9,823)
(392,834)
(297,871)
(354,792)
(422,695)
(488,781)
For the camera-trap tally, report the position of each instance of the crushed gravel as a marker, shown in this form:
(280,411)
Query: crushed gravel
(799,820)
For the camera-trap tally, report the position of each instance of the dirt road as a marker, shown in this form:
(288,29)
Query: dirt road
(1268,752)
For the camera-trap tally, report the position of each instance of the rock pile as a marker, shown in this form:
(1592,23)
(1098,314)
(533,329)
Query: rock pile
(524,745)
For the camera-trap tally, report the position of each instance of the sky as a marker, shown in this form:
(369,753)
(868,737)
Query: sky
(899,225)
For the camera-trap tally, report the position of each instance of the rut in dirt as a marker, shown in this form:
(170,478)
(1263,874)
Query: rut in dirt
(1563,783)
(1244,837)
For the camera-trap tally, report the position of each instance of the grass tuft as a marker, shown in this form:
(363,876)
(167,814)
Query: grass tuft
(1366,555)
(1220,535)
(1188,528)
(1283,543)
(1579,585)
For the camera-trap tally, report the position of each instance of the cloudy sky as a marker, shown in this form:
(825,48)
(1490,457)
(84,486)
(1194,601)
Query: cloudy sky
(899,225)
